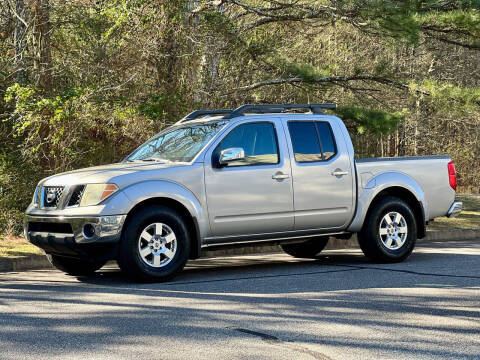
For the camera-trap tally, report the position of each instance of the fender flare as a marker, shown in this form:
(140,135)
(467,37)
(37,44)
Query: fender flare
(379,183)
(151,189)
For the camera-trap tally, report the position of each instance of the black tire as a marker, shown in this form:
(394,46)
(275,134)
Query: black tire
(130,260)
(75,267)
(370,239)
(308,249)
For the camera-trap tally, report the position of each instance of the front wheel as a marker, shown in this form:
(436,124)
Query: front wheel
(75,267)
(155,245)
(390,231)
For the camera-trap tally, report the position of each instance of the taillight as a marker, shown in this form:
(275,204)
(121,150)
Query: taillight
(452,176)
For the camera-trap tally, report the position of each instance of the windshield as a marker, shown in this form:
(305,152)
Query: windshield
(177,144)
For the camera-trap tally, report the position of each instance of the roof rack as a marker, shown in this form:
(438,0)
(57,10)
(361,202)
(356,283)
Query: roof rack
(257,109)
(277,108)
(198,113)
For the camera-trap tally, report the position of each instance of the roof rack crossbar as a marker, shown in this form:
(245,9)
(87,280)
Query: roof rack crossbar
(198,113)
(277,108)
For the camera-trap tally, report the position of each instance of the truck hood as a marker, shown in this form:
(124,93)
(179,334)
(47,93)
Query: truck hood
(106,173)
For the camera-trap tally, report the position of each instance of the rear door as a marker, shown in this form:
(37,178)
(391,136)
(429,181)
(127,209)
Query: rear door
(253,195)
(322,174)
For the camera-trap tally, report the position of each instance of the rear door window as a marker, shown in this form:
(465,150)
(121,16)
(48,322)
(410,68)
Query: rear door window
(312,141)
(306,146)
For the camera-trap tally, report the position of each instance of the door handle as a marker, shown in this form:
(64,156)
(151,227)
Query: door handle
(280,176)
(339,172)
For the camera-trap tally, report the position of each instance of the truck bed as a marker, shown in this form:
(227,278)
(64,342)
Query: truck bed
(430,172)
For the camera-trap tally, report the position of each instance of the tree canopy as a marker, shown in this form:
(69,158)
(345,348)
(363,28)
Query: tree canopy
(84,82)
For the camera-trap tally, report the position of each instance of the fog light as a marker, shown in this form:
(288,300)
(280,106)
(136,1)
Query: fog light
(88,230)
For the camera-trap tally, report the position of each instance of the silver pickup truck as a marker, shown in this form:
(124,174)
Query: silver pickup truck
(254,175)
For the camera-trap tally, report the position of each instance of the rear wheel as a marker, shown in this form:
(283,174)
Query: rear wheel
(155,244)
(390,231)
(307,249)
(75,267)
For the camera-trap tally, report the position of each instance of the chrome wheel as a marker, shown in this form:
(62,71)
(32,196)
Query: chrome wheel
(157,245)
(393,230)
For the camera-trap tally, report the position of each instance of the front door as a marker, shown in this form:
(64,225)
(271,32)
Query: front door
(252,195)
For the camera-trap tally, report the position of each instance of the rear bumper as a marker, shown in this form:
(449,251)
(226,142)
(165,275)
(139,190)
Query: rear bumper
(455,209)
(74,236)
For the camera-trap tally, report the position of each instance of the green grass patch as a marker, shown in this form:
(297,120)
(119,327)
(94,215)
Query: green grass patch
(468,219)
(16,246)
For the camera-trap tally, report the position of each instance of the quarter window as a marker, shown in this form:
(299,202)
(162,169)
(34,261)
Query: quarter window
(258,140)
(312,141)
(326,139)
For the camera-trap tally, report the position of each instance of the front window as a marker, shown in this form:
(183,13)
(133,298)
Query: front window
(258,140)
(177,144)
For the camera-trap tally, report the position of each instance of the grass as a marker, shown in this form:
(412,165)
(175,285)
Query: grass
(16,246)
(468,219)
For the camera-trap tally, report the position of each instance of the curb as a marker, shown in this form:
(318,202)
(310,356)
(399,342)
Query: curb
(464,234)
(23,263)
(36,262)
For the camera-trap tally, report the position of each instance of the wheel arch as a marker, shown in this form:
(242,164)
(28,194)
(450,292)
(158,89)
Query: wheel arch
(190,220)
(410,199)
(391,184)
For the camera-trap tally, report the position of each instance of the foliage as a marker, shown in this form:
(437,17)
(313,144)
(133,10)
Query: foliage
(405,74)
(449,97)
(68,129)
(371,120)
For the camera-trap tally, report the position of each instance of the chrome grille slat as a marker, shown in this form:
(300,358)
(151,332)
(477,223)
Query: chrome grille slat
(76,196)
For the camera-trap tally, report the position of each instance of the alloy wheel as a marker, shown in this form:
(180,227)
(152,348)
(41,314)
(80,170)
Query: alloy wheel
(393,230)
(157,245)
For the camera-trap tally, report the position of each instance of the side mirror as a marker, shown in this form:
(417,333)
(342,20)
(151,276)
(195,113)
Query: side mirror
(231,154)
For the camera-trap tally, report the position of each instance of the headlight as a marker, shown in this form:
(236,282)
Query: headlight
(96,193)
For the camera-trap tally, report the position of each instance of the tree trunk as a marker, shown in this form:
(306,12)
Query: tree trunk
(415,128)
(207,74)
(20,43)
(167,62)
(41,44)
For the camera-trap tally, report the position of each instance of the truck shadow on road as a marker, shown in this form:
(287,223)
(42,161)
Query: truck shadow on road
(428,304)
(237,268)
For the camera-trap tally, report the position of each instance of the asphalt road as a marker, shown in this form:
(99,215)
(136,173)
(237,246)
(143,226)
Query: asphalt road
(264,307)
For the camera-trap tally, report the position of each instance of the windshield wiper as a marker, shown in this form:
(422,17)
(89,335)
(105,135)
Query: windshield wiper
(156,160)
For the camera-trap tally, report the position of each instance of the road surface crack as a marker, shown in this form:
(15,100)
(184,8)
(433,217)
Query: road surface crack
(406,271)
(273,340)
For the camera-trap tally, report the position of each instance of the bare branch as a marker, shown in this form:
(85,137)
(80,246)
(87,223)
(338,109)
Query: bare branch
(117,86)
(454,42)
(331,80)
(19,17)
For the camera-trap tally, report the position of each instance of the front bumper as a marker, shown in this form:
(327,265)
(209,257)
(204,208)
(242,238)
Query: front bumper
(455,209)
(74,236)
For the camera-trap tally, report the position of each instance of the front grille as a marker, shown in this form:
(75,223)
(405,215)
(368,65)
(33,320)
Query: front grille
(51,196)
(55,228)
(76,195)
